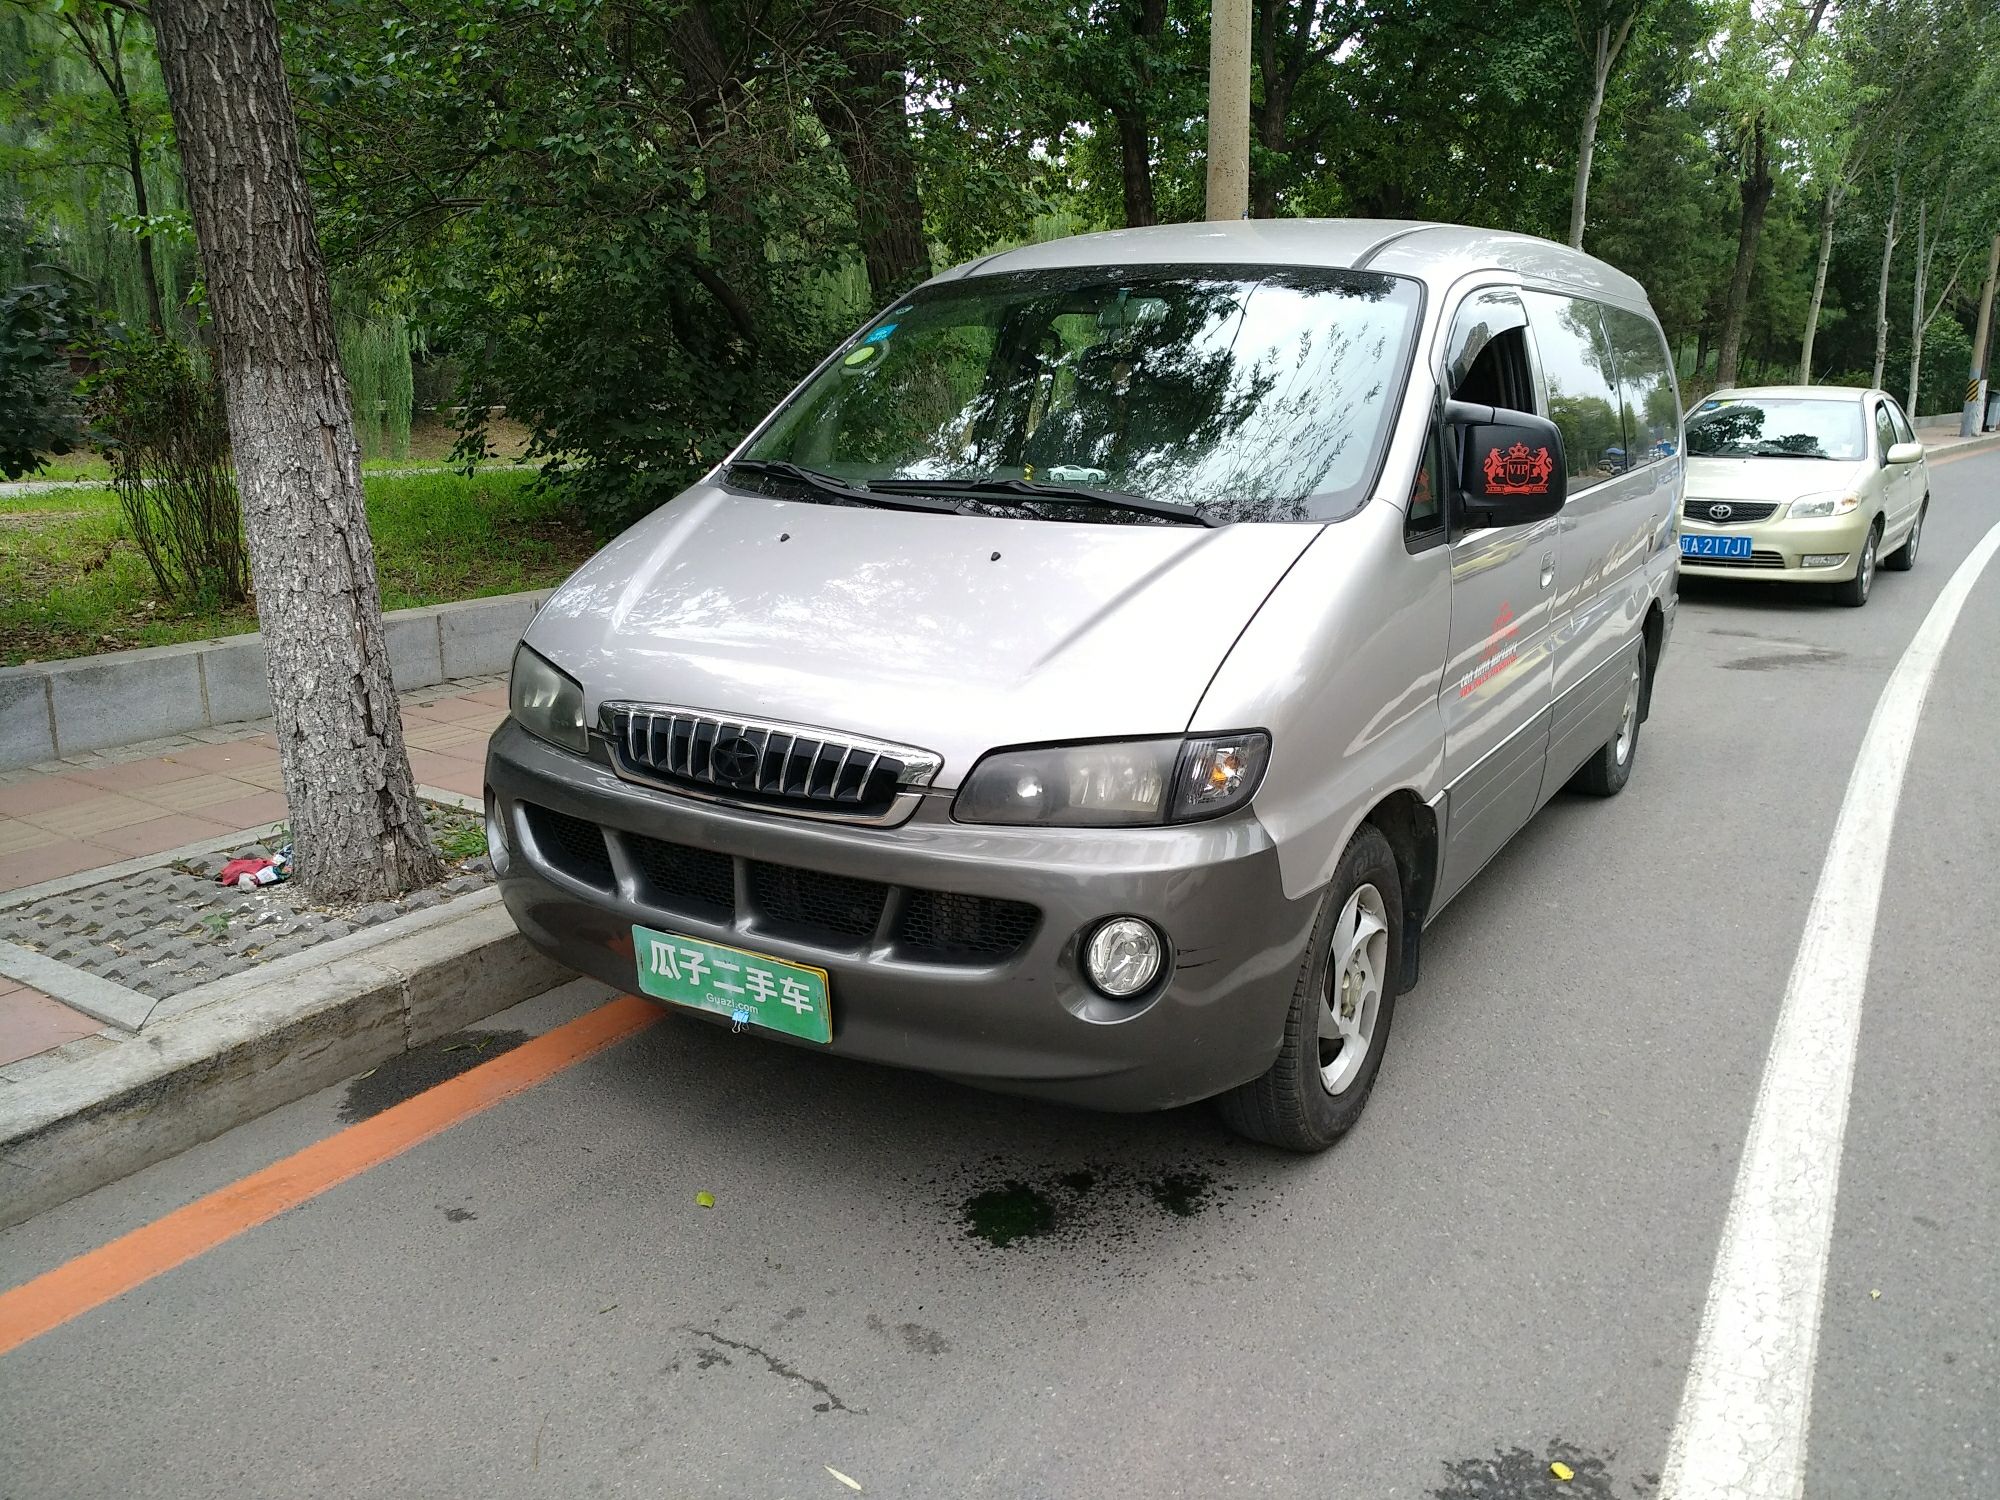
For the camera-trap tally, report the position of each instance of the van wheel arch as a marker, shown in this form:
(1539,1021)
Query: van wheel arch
(1654,632)
(1411,828)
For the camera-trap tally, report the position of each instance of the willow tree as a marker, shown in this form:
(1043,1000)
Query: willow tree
(358,832)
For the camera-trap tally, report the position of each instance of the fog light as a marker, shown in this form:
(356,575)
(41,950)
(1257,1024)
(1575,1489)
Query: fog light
(1123,956)
(496,838)
(1825,559)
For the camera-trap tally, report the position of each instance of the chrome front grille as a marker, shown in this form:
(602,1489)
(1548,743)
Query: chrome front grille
(763,763)
(1729,512)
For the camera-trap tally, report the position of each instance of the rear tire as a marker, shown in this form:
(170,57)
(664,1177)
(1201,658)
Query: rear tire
(1342,1004)
(1606,772)
(1904,557)
(1854,593)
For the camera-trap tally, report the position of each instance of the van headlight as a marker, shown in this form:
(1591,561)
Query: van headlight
(1833,503)
(547,703)
(1117,784)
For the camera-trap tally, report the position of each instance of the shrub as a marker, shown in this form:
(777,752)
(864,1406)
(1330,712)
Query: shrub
(159,417)
(38,417)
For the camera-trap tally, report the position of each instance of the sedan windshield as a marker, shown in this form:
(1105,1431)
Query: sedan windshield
(1253,395)
(1783,427)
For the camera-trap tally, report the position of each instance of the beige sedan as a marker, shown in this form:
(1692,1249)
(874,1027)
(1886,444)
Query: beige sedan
(1802,484)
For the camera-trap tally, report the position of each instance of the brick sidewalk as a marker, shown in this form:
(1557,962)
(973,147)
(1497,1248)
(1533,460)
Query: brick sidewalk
(92,811)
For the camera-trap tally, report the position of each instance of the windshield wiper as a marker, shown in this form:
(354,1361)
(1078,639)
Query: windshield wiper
(832,486)
(1063,494)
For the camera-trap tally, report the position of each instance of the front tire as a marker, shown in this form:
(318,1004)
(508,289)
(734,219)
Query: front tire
(1342,1004)
(1904,557)
(1854,593)
(1606,772)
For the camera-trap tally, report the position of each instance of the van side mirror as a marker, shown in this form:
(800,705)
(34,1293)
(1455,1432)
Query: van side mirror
(1511,468)
(1904,453)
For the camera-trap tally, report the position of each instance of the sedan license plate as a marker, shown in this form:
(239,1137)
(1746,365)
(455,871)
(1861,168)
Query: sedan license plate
(750,988)
(1715,546)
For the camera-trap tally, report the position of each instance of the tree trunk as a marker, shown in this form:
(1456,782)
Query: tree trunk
(357,829)
(1882,287)
(1135,153)
(1756,192)
(870,123)
(1586,146)
(1918,288)
(1829,206)
(1603,60)
(135,164)
(1129,112)
(1271,119)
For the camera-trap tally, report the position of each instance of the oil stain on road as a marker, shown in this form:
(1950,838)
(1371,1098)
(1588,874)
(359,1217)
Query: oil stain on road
(1090,1203)
(1521,1474)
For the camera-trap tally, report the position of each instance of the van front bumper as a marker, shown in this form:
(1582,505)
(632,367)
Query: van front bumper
(1024,1021)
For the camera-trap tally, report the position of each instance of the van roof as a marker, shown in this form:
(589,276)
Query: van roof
(1436,253)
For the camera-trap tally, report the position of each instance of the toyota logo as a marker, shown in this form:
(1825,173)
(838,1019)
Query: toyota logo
(1721,512)
(735,760)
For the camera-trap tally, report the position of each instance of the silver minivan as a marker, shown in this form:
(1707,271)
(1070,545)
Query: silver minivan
(1093,678)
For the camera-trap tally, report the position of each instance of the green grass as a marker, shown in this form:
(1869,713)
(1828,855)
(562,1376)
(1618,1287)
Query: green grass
(72,583)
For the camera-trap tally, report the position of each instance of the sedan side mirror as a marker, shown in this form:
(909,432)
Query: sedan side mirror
(1511,468)
(1904,453)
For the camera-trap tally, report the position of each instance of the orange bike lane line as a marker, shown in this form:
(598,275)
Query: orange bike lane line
(101,1275)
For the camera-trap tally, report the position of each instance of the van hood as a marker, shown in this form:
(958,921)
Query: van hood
(954,634)
(1774,479)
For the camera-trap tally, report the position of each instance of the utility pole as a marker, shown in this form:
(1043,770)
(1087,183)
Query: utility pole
(1229,110)
(1973,417)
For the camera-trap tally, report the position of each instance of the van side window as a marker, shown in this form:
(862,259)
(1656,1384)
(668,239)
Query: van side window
(1486,357)
(1904,432)
(1646,394)
(1583,394)
(1885,433)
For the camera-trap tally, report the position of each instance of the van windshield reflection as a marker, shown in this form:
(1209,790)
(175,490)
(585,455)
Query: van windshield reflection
(1252,395)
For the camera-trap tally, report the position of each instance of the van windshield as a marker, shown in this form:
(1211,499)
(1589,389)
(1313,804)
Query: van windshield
(1777,427)
(1252,395)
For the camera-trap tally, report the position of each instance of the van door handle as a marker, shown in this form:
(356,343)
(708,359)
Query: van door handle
(1548,569)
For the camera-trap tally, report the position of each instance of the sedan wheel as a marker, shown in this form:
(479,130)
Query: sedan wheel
(1904,557)
(1854,592)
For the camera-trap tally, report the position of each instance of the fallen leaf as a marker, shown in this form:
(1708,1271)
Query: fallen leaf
(1562,1471)
(1874,1294)
(851,1484)
(707,1200)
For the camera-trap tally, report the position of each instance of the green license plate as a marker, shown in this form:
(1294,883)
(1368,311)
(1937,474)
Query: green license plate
(749,988)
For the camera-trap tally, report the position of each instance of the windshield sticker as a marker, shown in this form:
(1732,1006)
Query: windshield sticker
(861,356)
(876,335)
(1711,405)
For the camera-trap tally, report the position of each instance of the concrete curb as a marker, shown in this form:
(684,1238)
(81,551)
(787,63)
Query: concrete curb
(55,708)
(246,1044)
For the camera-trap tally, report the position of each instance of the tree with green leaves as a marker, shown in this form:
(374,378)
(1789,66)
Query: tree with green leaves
(357,827)
(1602,27)
(85,103)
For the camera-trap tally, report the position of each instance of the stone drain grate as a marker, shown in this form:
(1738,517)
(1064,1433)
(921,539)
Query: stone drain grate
(168,929)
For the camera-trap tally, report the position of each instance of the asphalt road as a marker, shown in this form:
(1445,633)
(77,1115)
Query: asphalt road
(1507,1263)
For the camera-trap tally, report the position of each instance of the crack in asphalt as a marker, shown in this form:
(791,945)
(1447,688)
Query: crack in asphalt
(779,1367)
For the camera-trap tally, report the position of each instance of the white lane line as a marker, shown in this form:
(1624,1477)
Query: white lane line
(1741,1431)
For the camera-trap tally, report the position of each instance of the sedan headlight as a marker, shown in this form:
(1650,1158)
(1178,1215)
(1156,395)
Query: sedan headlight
(1120,784)
(1833,503)
(547,703)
